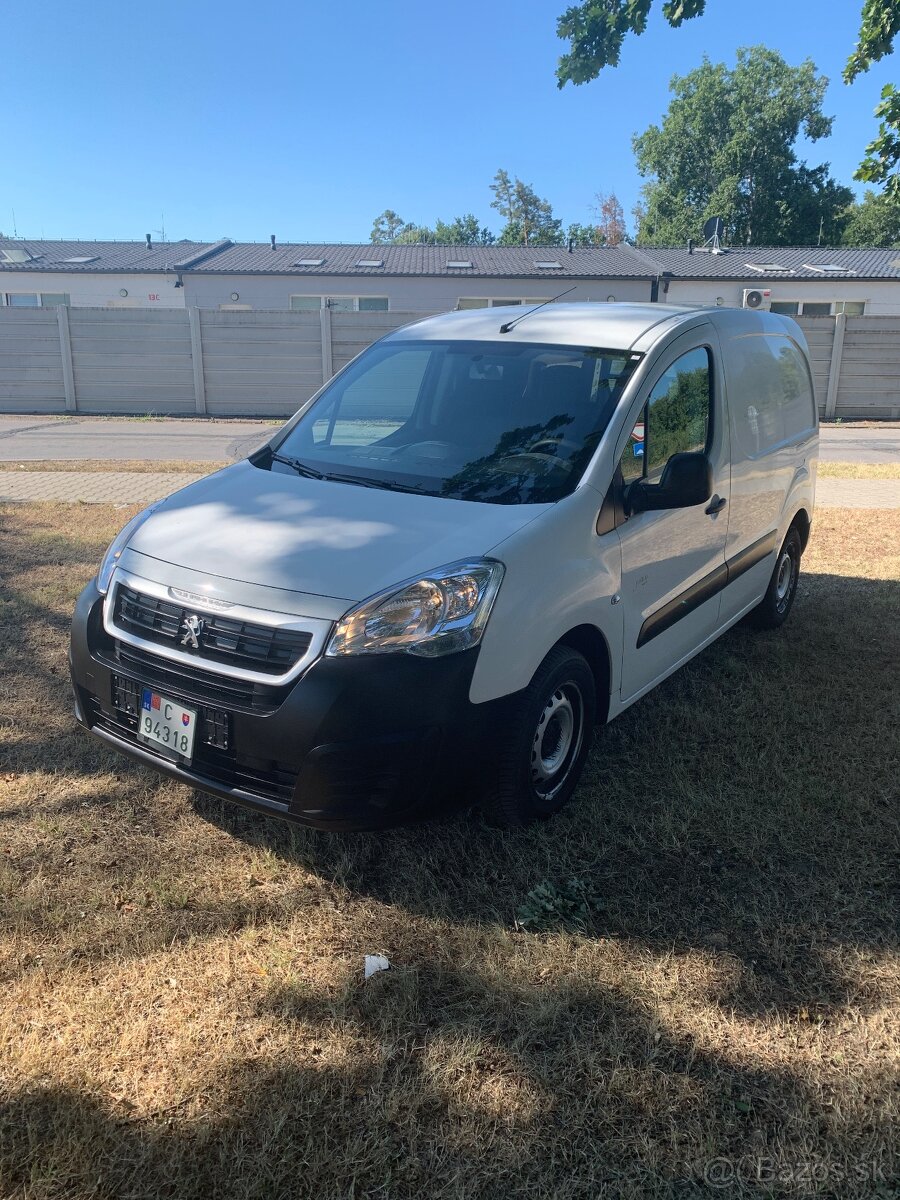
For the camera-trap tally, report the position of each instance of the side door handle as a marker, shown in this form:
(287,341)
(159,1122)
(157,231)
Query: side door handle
(715,505)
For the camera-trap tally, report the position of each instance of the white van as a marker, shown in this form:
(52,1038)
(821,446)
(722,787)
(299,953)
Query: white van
(491,531)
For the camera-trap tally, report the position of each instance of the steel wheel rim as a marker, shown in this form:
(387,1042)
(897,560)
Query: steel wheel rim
(557,740)
(784,578)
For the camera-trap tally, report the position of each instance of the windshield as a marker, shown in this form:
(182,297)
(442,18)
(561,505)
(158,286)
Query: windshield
(504,423)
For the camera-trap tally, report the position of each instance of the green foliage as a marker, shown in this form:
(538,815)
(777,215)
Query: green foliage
(572,904)
(875,221)
(596,29)
(584,235)
(463,231)
(529,219)
(883,154)
(879,26)
(386,227)
(726,148)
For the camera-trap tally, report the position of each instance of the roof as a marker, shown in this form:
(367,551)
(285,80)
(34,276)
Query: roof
(225,257)
(91,257)
(427,260)
(606,326)
(798,262)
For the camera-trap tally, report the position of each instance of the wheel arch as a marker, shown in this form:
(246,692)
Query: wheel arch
(802,522)
(590,642)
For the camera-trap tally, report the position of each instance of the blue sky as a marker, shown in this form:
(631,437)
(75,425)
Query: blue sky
(307,120)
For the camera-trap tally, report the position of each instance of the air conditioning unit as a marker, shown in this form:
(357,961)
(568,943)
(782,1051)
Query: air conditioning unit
(759,298)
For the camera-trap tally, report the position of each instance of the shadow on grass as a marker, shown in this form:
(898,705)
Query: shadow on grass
(747,805)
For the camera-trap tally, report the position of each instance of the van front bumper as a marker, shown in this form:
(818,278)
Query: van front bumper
(356,743)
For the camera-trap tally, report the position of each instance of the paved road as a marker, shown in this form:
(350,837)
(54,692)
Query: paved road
(848,443)
(28,439)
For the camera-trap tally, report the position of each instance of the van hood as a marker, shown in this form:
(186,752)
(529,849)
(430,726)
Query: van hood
(318,537)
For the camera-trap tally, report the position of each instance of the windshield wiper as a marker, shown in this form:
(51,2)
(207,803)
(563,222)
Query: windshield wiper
(387,485)
(300,467)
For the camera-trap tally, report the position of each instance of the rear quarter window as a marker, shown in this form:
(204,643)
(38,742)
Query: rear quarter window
(770,397)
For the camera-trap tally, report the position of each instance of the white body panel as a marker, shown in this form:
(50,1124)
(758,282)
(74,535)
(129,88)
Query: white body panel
(330,545)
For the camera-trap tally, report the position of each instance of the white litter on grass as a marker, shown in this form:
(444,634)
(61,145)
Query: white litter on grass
(376,963)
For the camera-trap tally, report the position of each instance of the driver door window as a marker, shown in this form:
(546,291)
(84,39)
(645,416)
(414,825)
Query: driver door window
(675,419)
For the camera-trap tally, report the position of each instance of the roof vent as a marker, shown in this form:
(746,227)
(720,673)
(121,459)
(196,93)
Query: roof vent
(460,263)
(370,262)
(272,240)
(309,262)
(149,241)
(549,266)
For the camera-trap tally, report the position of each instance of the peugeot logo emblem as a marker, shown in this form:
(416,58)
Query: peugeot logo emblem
(191,628)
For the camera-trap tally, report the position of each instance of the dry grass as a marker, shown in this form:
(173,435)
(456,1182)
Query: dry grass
(137,465)
(183,1008)
(853,470)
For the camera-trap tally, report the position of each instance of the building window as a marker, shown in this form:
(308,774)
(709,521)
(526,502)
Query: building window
(340,303)
(35,299)
(815,308)
(787,308)
(850,308)
(493,302)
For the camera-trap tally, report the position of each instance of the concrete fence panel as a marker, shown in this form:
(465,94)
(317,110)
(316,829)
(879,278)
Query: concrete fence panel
(232,363)
(260,363)
(31,370)
(134,360)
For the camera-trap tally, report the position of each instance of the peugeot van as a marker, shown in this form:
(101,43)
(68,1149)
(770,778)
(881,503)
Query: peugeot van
(490,532)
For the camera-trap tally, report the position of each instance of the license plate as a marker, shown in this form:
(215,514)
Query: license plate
(166,725)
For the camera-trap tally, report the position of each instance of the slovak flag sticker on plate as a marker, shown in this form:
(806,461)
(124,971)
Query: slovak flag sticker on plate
(185,718)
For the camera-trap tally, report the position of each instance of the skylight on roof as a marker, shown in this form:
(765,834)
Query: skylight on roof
(309,262)
(547,266)
(16,254)
(86,258)
(458,263)
(769,267)
(825,268)
(370,262)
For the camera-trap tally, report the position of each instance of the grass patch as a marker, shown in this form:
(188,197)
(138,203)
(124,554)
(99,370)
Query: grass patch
(103,465)
(697,960)
(851,470)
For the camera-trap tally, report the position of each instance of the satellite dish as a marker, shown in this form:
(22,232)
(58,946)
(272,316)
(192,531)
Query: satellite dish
(713,228)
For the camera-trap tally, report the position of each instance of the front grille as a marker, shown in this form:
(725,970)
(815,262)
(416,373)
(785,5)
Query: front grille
(220,763)
(191,684)
(265,648)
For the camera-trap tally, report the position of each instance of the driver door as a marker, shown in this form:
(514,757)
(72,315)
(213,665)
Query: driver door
(673,561)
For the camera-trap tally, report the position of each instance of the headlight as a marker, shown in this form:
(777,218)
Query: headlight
(439,613)
(114,553)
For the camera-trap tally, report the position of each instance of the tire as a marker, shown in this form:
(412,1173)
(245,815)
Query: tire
(543,742)
(778,601)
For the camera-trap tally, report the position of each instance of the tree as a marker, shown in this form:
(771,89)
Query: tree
(596,29)
(610,219)
(463,231)
(584,235)
(726,148)
(529,219)
(386,228)
(875,221)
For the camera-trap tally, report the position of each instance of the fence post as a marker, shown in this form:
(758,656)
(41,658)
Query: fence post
(834,371)
(327,368)
(197,360)
(65,350)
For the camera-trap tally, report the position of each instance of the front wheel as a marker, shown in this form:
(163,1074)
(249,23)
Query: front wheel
(544,741)
(774,607)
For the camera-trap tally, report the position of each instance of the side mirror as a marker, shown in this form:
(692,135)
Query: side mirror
(686,481)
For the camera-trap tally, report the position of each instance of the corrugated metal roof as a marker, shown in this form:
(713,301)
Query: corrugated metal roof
(125,257)
(487,261)
(798,262)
